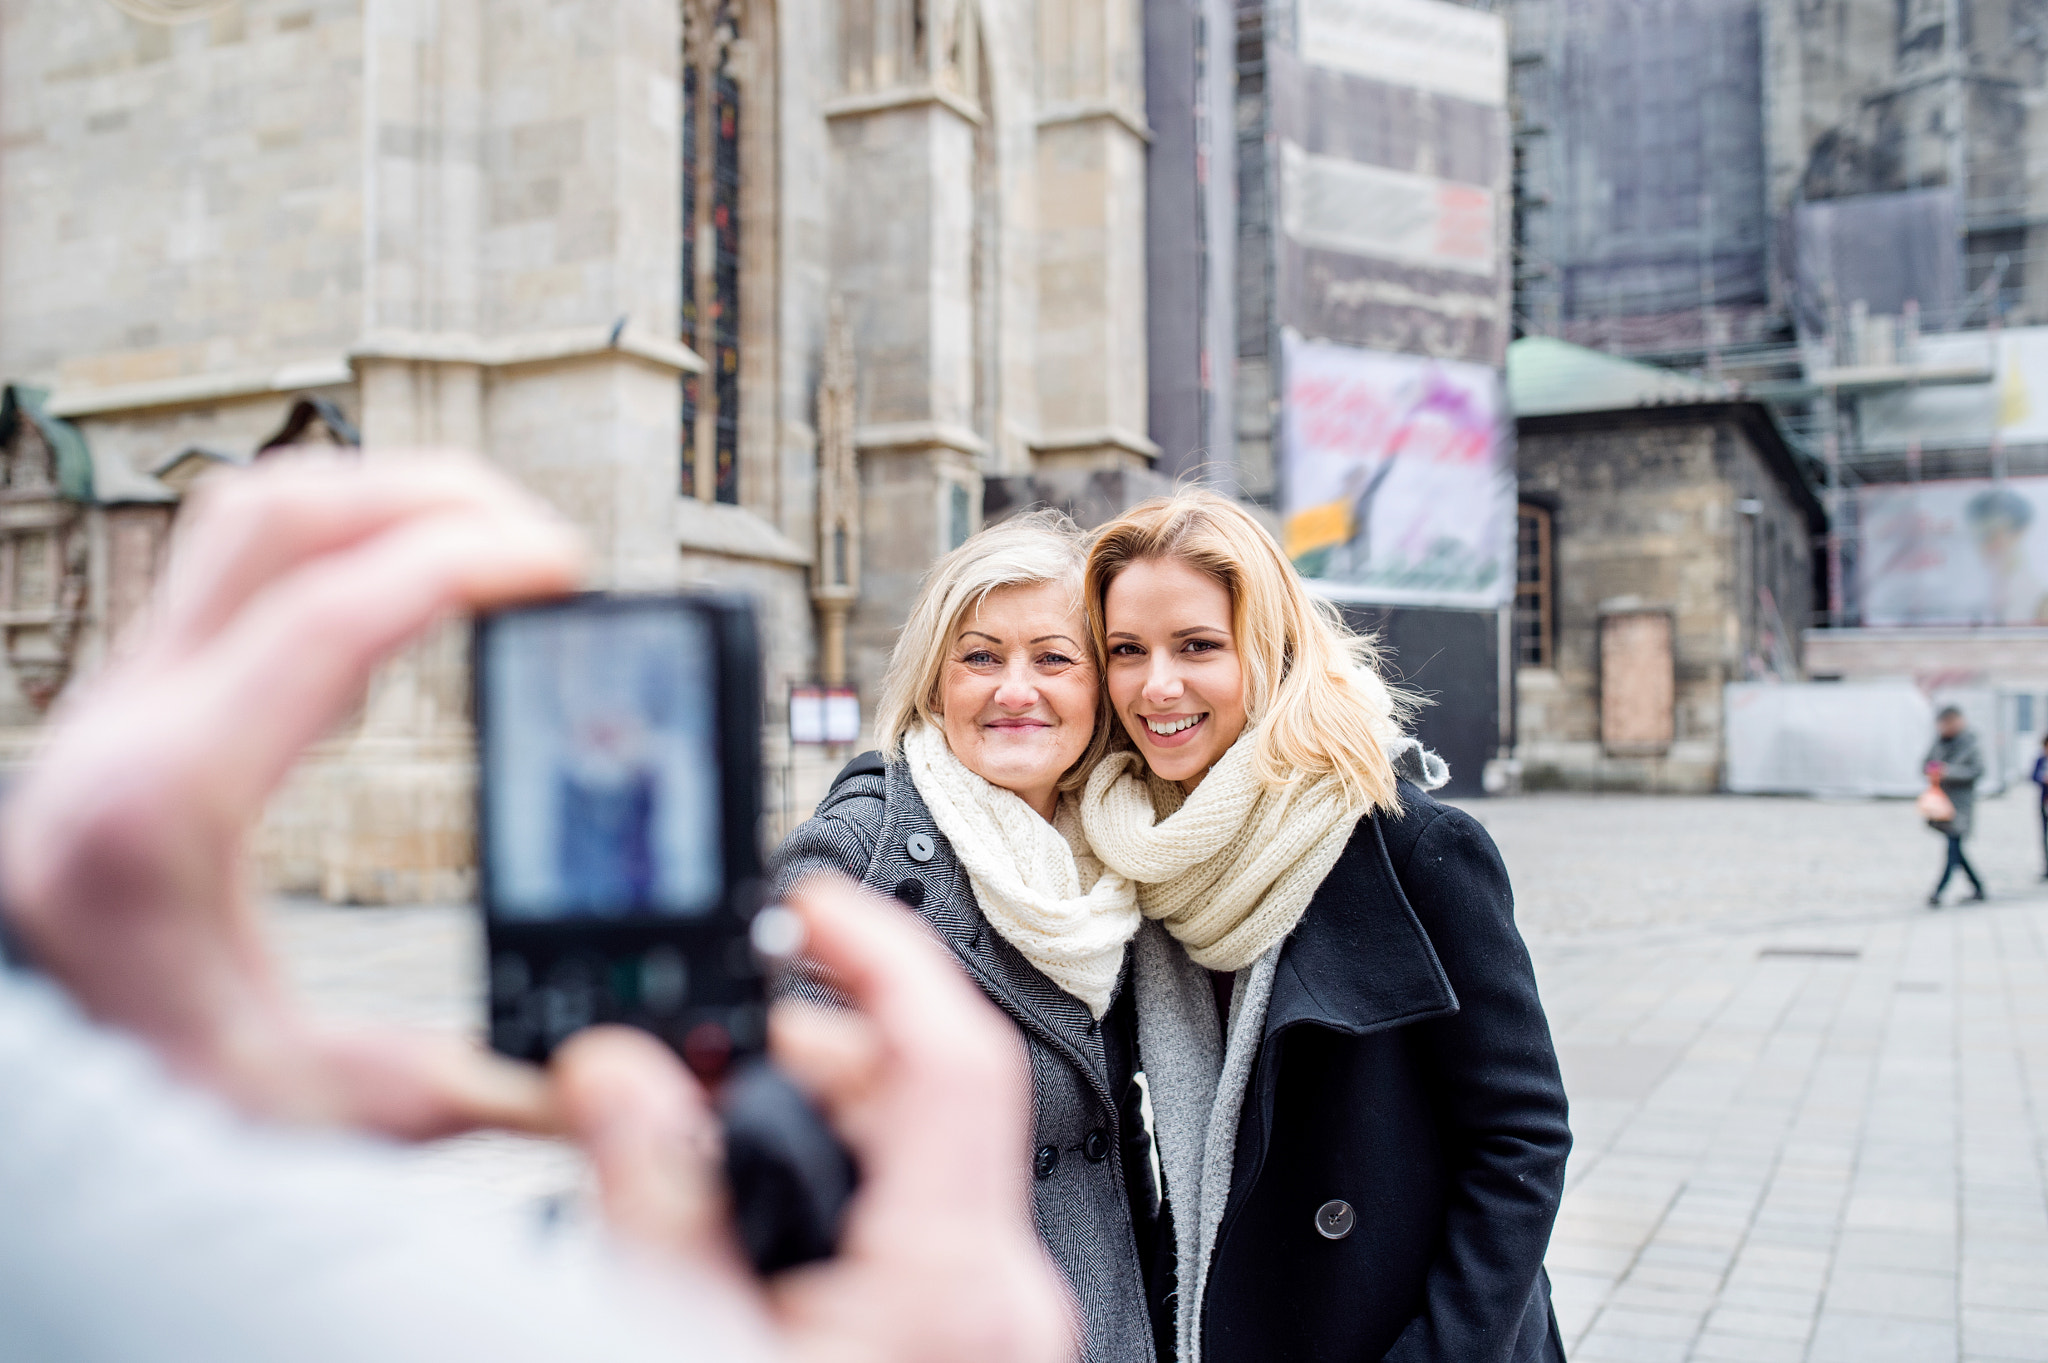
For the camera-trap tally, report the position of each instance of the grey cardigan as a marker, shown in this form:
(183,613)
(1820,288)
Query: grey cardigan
(1086,1128)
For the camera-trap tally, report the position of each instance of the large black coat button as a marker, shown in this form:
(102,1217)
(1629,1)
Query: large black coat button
(1095,1145)
(919,845)
(910,892)
(1334,1219)
(1048,1156)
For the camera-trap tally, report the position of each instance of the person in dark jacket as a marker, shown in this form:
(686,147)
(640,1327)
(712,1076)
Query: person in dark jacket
(1957,761)
(989,718)
(1357,1104)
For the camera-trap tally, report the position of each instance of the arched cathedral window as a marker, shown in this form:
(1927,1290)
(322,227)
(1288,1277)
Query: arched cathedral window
(711,249)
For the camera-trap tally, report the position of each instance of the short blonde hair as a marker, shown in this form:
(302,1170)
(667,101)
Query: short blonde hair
(1311,685)
(1025,551)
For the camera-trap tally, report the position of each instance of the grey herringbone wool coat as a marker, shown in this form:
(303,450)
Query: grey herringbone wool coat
(1086,1124)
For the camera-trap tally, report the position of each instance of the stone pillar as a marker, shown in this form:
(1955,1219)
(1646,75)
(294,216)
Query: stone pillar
(904,146)
(521,249)
(1092,141)
(382,812)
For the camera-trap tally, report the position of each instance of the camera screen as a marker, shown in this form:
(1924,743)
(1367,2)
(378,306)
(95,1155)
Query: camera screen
(600,748)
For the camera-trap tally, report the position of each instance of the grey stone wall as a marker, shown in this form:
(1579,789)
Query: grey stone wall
(178,200)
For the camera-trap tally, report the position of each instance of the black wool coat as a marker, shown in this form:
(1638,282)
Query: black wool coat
(1406,1069)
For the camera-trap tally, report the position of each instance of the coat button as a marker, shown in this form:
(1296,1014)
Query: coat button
(910,892)
(1334,1219)
(1048,1156)
(1095,1145)
(919,845)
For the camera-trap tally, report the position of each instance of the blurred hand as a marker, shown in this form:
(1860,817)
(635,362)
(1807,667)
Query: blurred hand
(122,863)
(926,1084)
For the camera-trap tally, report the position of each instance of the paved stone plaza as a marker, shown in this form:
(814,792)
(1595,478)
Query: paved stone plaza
(1812,1114)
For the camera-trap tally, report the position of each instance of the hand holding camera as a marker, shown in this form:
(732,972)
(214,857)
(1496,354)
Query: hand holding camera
(122,853)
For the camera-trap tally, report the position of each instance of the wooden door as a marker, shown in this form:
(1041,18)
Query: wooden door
(1637,688)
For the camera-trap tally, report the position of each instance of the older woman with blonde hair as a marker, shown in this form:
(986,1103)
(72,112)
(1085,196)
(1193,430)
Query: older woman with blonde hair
(990,719)
(1356,1100)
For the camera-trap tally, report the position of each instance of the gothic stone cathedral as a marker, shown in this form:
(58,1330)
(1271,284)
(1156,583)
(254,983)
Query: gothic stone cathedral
(773,294)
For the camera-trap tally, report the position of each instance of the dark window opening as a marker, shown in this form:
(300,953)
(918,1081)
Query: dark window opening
(1535,644)
(711,253)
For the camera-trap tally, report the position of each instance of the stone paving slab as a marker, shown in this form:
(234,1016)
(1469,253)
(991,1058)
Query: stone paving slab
(1809,1110)
(1811,1114)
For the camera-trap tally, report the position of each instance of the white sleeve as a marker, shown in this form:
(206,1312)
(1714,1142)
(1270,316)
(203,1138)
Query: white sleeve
(141,1220)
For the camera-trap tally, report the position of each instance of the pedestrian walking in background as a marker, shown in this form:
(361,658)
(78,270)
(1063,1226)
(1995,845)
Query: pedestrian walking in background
(2041,790)
(1955,762)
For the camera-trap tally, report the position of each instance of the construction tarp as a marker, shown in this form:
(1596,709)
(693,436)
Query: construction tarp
(1883,251)
(1826,738)
(1647,160)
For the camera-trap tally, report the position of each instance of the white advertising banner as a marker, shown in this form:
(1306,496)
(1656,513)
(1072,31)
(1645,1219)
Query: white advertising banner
(1364,210)
(1966,551)
(1397,477)
(1425,44)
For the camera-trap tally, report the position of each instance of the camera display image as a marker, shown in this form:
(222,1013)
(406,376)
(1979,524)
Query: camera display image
(601,755)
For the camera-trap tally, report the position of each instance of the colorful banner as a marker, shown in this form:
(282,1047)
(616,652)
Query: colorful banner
(1967,551)
(1397,477)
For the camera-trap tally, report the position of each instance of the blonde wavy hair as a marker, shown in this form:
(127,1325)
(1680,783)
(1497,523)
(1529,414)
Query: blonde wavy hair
(1025,551)
(1312,685)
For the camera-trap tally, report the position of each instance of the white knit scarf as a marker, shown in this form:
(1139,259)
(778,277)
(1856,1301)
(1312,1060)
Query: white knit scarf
(1229,869)
(1036,882)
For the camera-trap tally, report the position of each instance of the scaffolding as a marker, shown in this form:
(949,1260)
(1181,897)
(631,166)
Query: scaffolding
(1644,222)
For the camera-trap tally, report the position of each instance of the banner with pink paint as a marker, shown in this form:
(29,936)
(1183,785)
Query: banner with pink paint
(1397,477)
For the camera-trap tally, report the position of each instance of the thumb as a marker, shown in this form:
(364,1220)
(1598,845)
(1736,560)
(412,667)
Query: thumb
(653,1140)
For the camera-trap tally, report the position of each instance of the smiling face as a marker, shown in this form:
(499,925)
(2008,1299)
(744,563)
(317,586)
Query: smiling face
(1018,690)
(1176,679)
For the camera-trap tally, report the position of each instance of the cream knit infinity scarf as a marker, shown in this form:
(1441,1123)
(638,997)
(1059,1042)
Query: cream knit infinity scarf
(1036,882)
(1229,869)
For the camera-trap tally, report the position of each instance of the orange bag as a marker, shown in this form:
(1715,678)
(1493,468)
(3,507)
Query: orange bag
(1934,804)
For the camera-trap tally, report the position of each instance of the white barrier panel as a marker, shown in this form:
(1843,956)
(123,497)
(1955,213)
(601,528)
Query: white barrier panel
(1826,738)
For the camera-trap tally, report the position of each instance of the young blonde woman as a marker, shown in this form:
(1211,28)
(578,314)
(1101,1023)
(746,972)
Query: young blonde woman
(990,718)
(1355,1096)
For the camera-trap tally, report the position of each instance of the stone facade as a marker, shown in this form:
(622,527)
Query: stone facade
(464,224)
(1694,511)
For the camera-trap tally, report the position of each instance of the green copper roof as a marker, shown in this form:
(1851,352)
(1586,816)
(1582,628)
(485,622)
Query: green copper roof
(81,477)
(67,444)
(1549,377)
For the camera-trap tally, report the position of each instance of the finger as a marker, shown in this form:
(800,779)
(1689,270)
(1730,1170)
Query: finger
(417,1087)
(832,1054)
(652,1140)
(294,662)
(956,1123)
(890,965)
(243,530)
(885,959)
